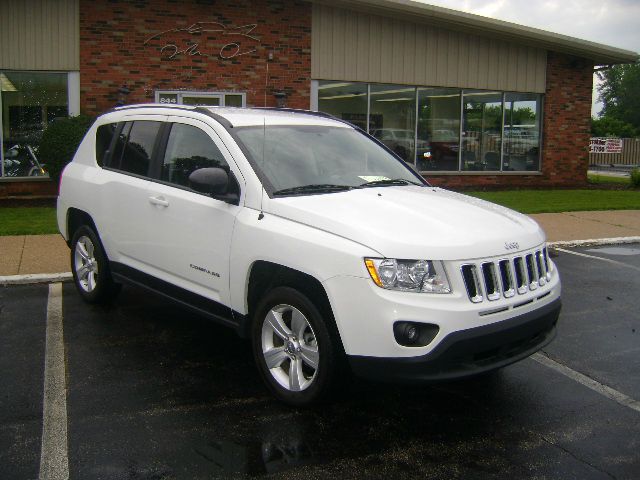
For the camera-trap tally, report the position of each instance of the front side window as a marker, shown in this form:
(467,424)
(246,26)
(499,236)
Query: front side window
(189,149)
(297,156)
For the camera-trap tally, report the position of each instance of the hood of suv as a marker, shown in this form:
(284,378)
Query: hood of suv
(411,222)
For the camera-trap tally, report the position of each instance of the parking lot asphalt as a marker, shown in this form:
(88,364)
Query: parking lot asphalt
(154,392)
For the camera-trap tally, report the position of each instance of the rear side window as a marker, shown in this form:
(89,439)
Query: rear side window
(133,149)
(189,149)
(136,157)
(104,135)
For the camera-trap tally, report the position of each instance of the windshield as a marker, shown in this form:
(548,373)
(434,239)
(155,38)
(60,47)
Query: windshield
(293,156)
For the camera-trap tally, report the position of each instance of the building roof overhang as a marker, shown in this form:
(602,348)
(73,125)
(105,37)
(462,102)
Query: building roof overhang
(418,12)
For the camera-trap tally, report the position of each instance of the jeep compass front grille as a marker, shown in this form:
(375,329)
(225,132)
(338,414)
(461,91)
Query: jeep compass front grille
(506,277)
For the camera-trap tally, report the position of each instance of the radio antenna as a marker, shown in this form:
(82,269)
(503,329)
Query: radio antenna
(264,139)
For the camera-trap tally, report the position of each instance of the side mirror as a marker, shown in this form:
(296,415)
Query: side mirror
(214,182)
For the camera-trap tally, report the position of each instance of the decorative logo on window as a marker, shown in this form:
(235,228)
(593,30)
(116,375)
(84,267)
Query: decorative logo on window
(206,39)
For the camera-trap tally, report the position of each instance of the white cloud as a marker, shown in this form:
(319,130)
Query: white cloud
(612,22)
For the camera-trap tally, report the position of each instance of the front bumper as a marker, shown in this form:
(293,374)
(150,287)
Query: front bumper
(468,352)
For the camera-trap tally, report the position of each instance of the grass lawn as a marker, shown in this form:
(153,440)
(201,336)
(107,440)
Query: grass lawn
(27,220)
(41,220)
(540,201)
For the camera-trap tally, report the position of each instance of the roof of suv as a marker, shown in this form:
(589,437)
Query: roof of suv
(247,117)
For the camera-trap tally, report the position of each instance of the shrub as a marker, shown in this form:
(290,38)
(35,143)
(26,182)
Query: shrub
(635,178)
(60,141)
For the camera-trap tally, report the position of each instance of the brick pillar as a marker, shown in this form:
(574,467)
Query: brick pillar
(567,120)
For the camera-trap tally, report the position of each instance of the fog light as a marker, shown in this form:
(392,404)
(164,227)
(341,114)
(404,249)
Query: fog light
(411,333)
(414,334)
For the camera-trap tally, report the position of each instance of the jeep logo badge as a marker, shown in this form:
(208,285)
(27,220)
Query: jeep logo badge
(511,245)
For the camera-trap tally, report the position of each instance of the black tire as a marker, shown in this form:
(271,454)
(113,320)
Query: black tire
(90,268)
(316,383)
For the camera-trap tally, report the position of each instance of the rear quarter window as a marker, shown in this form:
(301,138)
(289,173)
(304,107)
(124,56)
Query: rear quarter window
(104,136)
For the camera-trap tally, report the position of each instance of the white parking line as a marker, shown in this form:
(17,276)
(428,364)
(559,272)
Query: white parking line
(615,262)
(588,382)
(54,461)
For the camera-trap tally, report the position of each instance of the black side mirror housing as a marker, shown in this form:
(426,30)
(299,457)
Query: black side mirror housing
(214,182)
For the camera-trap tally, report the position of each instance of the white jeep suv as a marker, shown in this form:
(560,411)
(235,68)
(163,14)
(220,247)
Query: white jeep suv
(309,237)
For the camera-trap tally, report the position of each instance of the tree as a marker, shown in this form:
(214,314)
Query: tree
(606,126)
(60,141)
(620,93)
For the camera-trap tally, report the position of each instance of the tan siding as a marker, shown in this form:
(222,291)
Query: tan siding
(352,46)
(39,35)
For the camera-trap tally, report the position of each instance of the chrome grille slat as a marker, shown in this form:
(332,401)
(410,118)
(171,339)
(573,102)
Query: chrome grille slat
(542,272)
(472,282)
(506,277)
(491,285)
(532,272)
(521,275)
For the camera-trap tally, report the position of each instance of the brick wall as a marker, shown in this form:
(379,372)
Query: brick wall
(27,189)
(113,51)
(566,132)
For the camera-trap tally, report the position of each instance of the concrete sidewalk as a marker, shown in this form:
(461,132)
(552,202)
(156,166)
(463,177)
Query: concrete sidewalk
(34,254)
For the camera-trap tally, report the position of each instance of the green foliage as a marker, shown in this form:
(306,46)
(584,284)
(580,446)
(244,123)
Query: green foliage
(607,126)
(60,141)
(635,178)
(619,93)
(540,201)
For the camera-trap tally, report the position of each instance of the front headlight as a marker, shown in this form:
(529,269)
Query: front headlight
(408,275)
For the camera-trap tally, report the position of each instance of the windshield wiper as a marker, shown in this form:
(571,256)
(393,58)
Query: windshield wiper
(313,188)
(388,182)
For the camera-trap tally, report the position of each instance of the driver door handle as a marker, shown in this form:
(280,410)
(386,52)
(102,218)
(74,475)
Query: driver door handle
(158,201)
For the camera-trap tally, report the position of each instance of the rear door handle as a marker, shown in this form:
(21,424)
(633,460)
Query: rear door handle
(158,201)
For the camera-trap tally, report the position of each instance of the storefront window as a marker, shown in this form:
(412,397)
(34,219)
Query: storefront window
(392,118)
(521,132)
(347,101)
(482,131)
(29,102)
(451,129)
(438,129)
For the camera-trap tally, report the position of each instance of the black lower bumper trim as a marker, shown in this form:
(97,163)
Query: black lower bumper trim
(468,352)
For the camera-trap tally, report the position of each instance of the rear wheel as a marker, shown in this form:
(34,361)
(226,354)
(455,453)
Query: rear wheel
(293,347)
(90,267)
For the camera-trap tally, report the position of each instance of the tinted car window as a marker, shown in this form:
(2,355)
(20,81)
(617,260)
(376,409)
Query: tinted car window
(138,149)
(118,148)
(103,140)
(189,149)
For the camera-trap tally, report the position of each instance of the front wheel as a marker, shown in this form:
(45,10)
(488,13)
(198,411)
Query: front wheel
(293,348)
(90,267)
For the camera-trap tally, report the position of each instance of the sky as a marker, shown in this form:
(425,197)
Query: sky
(612,22)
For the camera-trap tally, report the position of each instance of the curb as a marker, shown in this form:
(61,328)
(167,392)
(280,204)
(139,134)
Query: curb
(594,242)
(35,278)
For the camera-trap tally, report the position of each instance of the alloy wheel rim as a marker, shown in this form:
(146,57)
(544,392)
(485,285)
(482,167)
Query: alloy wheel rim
(290,348)
(86,265)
